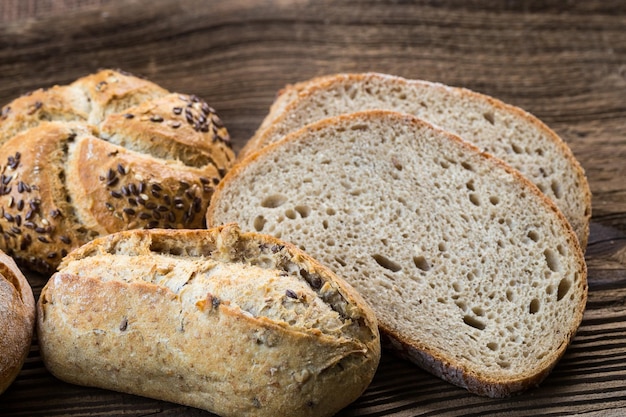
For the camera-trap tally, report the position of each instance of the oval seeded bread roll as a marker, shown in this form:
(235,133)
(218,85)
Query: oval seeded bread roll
(106,153)
(505,131)
(472,272)
(237,324)
(17,320)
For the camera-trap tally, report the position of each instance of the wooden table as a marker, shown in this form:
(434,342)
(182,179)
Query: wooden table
(563,61)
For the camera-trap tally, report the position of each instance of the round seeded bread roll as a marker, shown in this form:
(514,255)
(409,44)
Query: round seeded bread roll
(108,152)
(240,324)
(17,320)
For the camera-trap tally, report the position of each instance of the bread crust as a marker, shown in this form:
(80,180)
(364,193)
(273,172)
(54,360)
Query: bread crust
(420,351)
(188,341)
(108,152)
(17,309)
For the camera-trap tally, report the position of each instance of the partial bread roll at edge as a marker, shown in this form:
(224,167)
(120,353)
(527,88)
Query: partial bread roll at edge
(505,131)
(472,272)
(17,320)
(233,323)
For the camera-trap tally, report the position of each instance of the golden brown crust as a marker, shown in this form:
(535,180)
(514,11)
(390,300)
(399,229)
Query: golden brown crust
(130,190)
(38,222)
(176,126)
(210,351)
(17,309)
(112,91)
(65,144)
(61,103)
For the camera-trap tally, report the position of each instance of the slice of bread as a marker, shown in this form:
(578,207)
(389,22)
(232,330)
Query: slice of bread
(473,273)
(505,131)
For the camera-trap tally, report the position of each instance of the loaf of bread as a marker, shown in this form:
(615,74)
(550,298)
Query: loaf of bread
(505,131)
(239,324)
(106,153)
(17,320)
(473,273)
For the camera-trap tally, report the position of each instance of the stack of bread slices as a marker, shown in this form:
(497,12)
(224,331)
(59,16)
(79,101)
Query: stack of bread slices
(461,220)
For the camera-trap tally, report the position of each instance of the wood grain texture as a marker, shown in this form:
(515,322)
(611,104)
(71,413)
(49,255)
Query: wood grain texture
(564,61)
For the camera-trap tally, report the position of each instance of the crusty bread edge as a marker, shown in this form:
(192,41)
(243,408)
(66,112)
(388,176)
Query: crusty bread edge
(418,353)
(21,331)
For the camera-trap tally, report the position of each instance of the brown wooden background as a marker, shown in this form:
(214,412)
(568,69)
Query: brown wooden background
(564,61)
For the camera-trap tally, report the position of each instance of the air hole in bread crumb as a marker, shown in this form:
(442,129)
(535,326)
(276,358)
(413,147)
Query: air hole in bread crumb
(340,261)
(479,311)
(533,235)
(387,263)
(495,200)
(421,263)
(517,149)
(470,185)
(290,214)
(361,127)
(556,189)
(474,322)
(474,199)
(492,346)
(330,211)
(273,201)
(471,275)
(489,116)
(552,260)
(325,224)
(444,164)
(533,308)
(510,295)
(259,223)
(396,163)
(504,364)
(330,242)
(564,287)
(461,304)
(467,166)
(303,210)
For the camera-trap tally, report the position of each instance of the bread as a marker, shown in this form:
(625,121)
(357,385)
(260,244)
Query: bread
(17,310)
(237,324)
(472,272)
(106,153)
(505,131)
